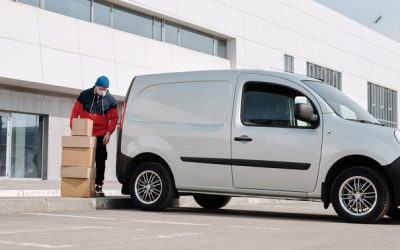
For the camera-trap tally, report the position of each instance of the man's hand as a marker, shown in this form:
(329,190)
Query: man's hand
(106,138)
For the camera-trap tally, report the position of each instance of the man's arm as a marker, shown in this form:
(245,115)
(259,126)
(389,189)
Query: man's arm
(76,111)
(113,115)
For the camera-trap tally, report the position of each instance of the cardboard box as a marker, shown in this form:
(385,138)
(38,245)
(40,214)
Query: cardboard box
(82,127)
(79,142)
(78,157)
(78,172)
(71,187)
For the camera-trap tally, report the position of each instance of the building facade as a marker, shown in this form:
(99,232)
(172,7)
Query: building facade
(53,49)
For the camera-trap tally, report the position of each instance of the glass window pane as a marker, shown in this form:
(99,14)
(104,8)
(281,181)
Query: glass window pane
(75,8)
(31,2)
(171,33)
(221,48)
(157,29)
(268,105)
(101,13)
(26,151)
(133,22)
(196,40)
(3,145)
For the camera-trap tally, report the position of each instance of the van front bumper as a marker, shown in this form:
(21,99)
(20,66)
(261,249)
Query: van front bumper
(393,171)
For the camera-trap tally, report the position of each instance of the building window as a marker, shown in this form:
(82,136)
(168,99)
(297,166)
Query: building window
(30,2)
(171,33)
(196,40)
(157,29)
(108,14)
(382,104)
(4,133)
(21,145)
(221,48)
(75,8)
(26,146)
(289,63)
(133,22)
(101,13)
(329,76)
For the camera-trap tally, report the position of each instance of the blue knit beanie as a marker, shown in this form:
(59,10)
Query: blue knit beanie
(102,81)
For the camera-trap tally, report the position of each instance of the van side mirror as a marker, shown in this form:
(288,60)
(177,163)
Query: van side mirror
(305,112)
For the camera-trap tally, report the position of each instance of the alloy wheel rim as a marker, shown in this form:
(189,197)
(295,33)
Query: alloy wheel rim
(358,196)
(148,187)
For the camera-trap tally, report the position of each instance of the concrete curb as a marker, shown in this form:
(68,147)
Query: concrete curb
(62,204)
(45,193)
(65,204)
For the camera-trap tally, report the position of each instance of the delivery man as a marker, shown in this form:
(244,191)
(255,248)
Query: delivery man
(100,106)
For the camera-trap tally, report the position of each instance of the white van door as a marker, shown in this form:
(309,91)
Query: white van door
(270,149)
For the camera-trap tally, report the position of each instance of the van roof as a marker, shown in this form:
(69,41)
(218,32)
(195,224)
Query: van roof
(231,72)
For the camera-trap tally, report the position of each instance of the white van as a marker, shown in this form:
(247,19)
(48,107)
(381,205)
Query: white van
(224,133)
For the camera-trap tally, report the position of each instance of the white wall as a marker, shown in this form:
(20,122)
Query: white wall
(45,47)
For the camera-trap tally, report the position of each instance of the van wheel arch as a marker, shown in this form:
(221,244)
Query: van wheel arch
(140,159)
(345,163)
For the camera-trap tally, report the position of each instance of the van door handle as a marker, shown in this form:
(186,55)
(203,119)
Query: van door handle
(243,138)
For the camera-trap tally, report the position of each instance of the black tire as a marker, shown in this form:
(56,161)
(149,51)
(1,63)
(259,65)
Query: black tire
(394,213)
(162,187)
(375,197)
(209,201)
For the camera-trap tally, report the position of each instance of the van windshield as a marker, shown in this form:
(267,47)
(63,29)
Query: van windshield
(342,105)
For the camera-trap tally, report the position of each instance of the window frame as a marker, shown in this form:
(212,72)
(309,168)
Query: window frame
(326,75)
(316,125)
(288,63)
(378,96)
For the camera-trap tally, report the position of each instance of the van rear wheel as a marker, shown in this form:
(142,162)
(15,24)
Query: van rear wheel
(151,187)
(360,195)
(209,201)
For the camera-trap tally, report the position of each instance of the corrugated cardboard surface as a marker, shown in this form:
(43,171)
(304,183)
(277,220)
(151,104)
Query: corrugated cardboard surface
(79,141)
(78,157)
(78,172)
(82,127)
(71,187)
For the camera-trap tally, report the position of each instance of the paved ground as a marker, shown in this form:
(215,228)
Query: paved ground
(279,225)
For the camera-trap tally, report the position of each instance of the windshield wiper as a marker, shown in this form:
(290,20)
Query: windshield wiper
(365,121)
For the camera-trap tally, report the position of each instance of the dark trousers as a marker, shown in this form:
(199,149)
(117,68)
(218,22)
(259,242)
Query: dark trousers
(101,157)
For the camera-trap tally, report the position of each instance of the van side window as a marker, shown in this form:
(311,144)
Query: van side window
(271,105)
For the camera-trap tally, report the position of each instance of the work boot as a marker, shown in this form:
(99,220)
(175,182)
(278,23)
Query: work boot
(99,190)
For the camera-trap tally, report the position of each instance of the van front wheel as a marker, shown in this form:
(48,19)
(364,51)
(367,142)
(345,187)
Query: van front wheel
(360,195)
(209,201)
(151,187)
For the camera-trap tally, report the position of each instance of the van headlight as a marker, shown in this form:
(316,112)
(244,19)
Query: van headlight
(397,135)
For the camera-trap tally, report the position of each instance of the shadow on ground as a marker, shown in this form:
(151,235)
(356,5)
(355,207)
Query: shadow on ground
(257,214)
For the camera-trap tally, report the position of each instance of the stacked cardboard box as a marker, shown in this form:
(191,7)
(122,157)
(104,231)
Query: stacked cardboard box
(78,160)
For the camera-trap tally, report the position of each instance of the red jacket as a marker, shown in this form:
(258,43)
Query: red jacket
(102,110)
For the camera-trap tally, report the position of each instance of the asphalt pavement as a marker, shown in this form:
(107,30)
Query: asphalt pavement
(275,225)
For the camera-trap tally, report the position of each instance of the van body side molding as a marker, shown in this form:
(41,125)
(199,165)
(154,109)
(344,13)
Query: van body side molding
(249,163)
